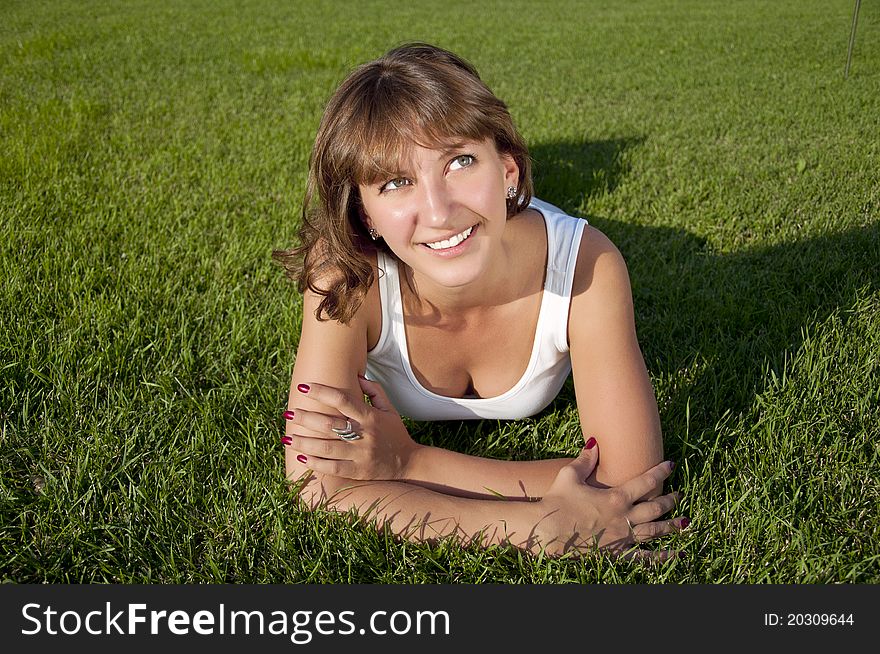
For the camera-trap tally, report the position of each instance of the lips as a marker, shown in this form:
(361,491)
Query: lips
(452,241)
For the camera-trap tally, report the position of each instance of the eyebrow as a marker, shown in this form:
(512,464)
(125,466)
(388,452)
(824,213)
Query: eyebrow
(386,173)
(455,147)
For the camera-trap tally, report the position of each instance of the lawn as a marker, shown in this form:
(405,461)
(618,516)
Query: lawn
(152,155)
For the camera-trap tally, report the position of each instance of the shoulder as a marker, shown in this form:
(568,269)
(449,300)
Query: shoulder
(527,223)
(600,265)
(329,351)
(328,277)
(527,238)
(601,296)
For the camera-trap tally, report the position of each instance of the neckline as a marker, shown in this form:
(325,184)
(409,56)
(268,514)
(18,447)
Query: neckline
(399,327)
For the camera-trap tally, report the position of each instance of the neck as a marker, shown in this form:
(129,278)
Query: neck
(495,288)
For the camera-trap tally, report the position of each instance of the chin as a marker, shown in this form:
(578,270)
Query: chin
(456,276)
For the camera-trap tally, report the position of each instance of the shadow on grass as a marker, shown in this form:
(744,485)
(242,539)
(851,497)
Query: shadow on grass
(734,315)
(716,321)
(713,323)
(572,172)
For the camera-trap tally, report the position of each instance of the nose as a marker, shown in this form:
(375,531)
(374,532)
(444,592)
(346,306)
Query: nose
(436,209)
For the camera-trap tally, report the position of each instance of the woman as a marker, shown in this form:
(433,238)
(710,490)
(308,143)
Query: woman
(436,286)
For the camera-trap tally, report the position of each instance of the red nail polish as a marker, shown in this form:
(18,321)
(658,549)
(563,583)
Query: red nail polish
(684,523)
(590,443)
(303,388)
(301,458)
(671,466)
(287,440)
(288,415)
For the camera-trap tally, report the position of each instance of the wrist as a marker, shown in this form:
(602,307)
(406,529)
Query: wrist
(412,462)
(543,527)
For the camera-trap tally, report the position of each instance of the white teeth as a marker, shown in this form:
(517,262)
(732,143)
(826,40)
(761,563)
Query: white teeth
(451,242)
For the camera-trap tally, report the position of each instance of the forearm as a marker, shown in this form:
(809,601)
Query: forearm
(423,515)
(453,473)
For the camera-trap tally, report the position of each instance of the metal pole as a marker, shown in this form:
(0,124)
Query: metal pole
(852,37)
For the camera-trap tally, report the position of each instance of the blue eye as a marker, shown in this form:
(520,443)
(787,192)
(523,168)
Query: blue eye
(395,184)
(462,161)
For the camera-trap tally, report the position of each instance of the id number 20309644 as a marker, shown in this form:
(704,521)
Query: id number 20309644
(808,620)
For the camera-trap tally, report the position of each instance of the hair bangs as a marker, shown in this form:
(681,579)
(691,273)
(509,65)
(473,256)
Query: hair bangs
(386,145)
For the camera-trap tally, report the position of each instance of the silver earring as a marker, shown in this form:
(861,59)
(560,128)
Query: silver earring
(511,192)
(373,233)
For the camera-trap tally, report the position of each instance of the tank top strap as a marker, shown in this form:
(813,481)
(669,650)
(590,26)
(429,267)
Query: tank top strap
(389,300)
(563,242)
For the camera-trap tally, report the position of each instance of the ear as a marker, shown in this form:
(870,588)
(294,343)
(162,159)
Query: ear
(511,170)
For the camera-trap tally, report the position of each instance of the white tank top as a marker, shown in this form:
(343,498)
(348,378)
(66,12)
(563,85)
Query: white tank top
(549,365)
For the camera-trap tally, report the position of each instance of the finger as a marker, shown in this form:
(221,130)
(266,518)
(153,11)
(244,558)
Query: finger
(332,467)
(320,423)
(586,461)
(318,447)
(334,398)
(376,393)
(651,530)
(640,486)
(652,509)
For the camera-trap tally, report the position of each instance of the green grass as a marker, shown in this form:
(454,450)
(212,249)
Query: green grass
(153,154)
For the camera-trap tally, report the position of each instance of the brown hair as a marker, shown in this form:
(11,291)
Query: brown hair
(415,93)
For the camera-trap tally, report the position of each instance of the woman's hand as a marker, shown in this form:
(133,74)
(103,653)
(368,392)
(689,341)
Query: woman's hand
(575,516)
(370,442)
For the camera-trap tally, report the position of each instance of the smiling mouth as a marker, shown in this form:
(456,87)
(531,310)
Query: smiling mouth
(451,242)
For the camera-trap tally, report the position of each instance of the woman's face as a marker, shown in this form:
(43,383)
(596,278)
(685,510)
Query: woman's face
(444,213)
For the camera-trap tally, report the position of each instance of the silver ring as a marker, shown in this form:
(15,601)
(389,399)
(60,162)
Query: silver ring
(346,432)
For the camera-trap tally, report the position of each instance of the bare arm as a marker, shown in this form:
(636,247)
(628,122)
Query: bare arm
(572,516)
(478,477)
(615,398)
(423,515)
(334,355)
